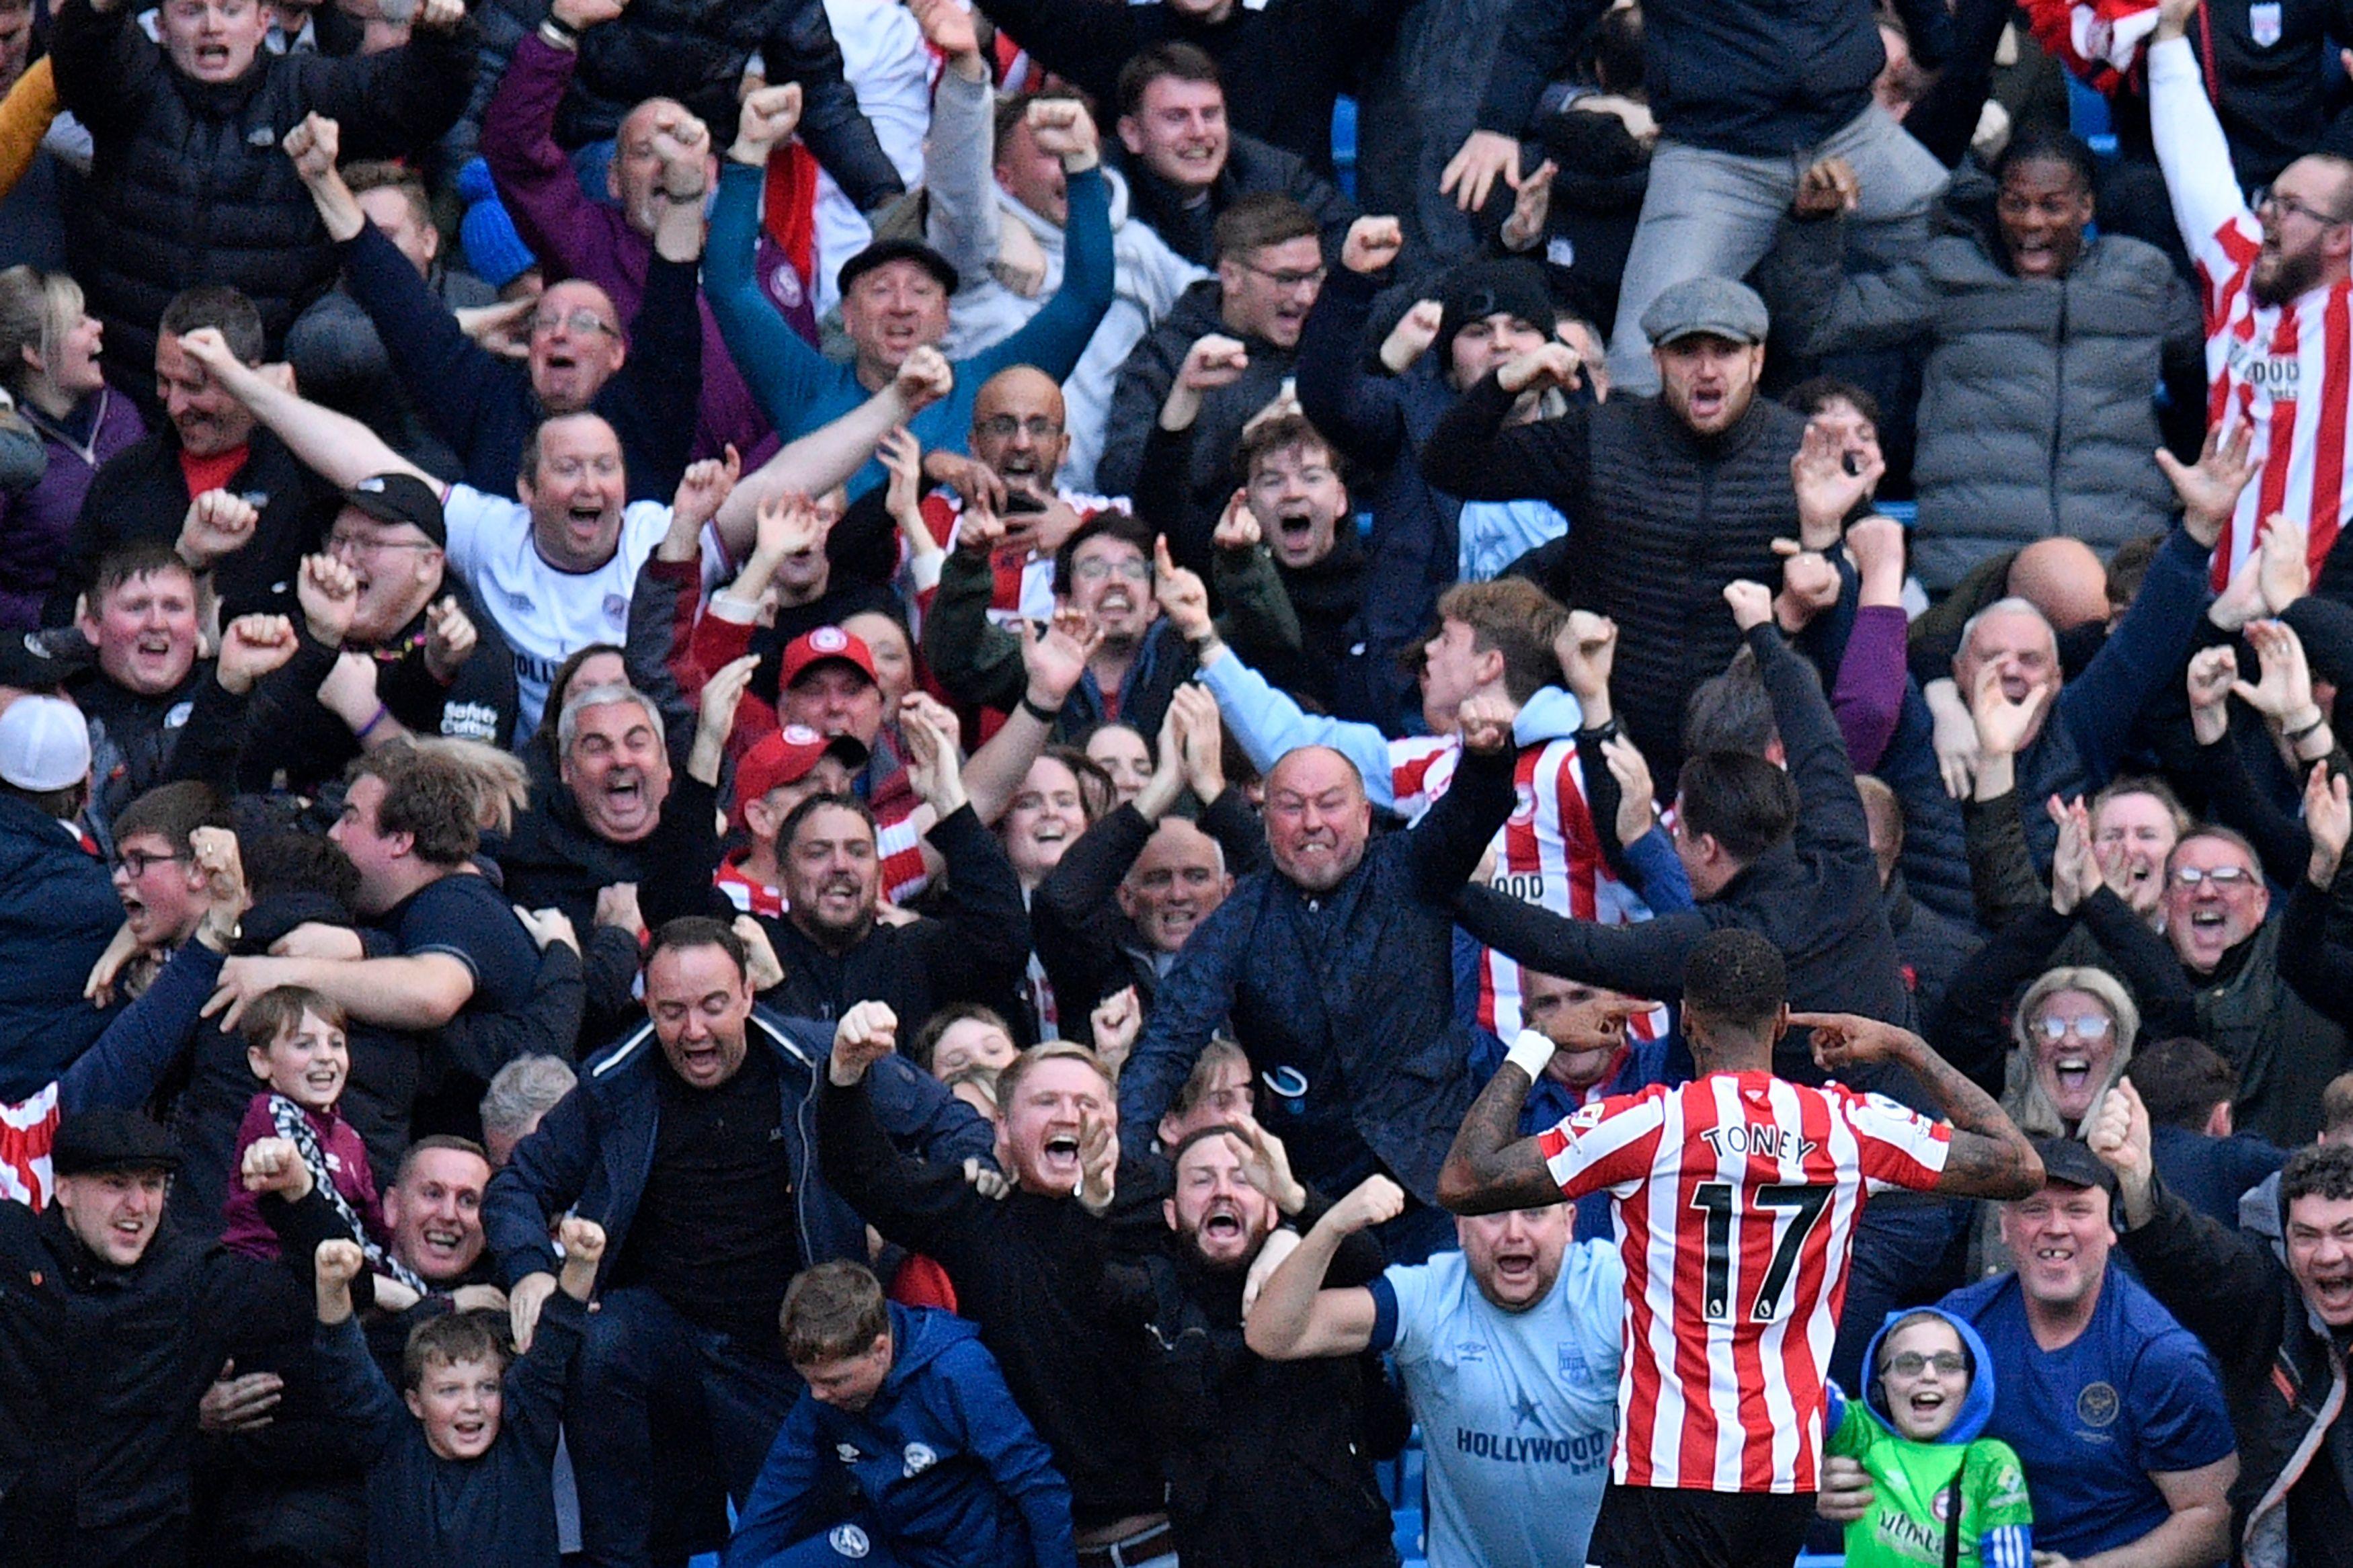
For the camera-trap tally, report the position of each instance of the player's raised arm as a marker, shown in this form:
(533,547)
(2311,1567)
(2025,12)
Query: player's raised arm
(1491,1168)
(1991,1157)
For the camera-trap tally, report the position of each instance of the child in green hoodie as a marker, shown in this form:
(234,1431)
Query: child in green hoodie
(1942,1496)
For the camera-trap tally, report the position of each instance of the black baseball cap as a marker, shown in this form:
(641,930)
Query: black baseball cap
(2070,1163)
(883,252)
(402,497)
(111,1141)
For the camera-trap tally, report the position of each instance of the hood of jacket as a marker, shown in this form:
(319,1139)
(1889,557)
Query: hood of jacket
(1049,233)
(917,1339)
(1977,1406)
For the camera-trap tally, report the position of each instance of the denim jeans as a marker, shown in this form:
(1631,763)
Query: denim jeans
(1714,215)
(642,1370)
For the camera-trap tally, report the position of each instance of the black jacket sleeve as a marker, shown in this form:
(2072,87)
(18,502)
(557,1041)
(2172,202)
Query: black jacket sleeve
(1075,918)
(662,378)
(1539,43)
(1472,455)
(980,943)
(683,855)
(928,1207)
(2224,1286)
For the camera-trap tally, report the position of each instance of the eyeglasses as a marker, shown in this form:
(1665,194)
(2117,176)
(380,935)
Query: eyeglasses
(2086,1025)
(134,863)
(580,320)
(2267,200)
(2226,878)
(1004,428)
(1912,1364)
(1096,569)
(357,544)
(1289,282)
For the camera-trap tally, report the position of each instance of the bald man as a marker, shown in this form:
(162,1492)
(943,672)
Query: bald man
(2062,578)
(1334,969)
(1032,192)
(1021,440)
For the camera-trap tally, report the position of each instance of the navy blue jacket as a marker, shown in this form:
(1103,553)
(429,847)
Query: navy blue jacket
(1378,422)
(594,1151)
(1349,995)
(484,406)
(58,912)
(944,1470)
(424,1510)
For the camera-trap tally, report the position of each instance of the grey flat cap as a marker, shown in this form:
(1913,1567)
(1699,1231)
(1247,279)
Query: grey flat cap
(1717,307)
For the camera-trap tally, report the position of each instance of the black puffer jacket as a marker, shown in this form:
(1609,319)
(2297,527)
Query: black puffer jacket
(187,184)
(1660,519)
(695,51)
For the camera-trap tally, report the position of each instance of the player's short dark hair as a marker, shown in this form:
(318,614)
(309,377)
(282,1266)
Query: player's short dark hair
(1186,62)
(1816,393)
(832,1311)
(926,1043)
(131,563)
(449,1339)
(1743,802)
(791,826)
(1730,712)
(1735,977)
(1108,524)
(428,794)
(280,1009)
(2050,144)
(2181,1080)
(1511,617)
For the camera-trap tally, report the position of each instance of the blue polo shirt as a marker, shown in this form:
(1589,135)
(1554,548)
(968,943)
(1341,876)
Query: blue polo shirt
(2134,1392)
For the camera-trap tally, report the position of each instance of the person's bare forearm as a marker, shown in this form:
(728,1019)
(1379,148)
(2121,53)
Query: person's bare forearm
(811,466)
(2006,1159)
(2192,1538)
(1285,1312)
(993,777)
(1491,1167)
(338,447)
(339,210)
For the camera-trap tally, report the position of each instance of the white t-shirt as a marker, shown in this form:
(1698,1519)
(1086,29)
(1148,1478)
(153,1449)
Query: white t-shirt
(1517,1409)
(545,614)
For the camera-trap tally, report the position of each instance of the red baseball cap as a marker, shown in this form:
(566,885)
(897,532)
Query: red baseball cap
(787,757)
(815,647)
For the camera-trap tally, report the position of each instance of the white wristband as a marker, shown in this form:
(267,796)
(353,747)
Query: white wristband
(1531,1053)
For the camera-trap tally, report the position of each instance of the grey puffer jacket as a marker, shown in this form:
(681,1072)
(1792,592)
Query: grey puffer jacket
(2035,411)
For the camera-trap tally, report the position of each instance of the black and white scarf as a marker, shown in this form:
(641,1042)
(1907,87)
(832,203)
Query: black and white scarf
(293,1123)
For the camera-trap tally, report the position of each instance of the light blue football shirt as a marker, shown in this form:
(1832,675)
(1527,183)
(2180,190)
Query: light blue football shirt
(1517,1409)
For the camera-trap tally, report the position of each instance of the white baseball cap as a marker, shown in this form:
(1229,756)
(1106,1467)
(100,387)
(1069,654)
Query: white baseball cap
(44,744)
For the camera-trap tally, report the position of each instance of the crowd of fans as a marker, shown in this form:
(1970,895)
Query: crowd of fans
(849,780)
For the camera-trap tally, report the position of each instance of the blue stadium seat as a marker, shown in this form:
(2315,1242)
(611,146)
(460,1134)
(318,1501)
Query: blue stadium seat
(1344,143)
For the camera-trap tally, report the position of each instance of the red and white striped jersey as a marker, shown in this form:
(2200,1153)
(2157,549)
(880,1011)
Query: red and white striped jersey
(2285,370)
(1738,1197)
(1548,854)
(899,844)
(27,1130)
(1024,587)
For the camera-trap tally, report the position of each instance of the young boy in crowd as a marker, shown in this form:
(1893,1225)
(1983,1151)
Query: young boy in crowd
(295,1043)
(464,1475)
(1943,1497)
(906,1445)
